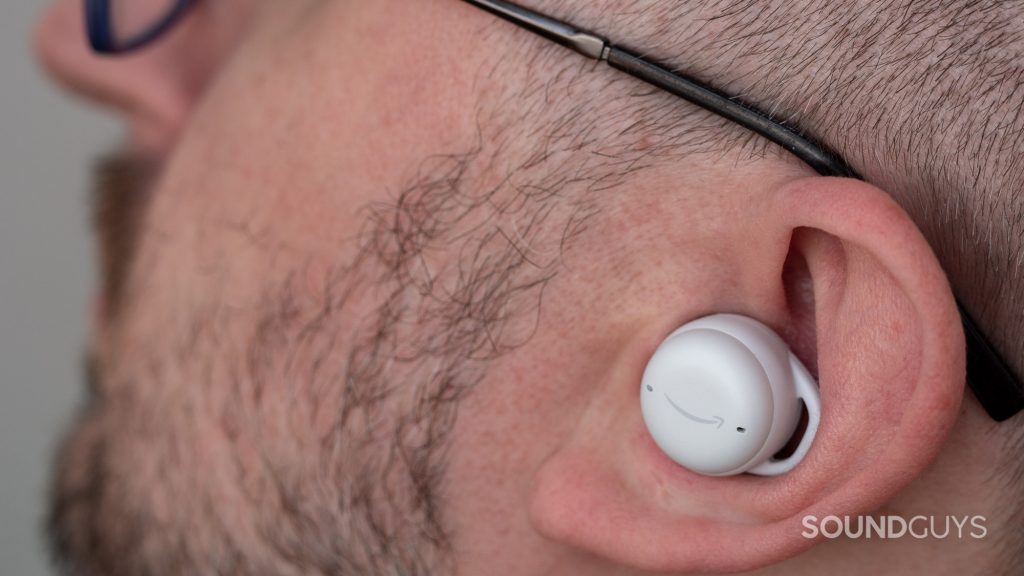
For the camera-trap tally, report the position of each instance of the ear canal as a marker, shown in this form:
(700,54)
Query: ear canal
(722,395)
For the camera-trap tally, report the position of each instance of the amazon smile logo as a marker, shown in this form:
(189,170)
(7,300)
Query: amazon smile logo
(717,420)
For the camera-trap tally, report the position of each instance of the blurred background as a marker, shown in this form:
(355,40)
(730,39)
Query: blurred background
(47,147)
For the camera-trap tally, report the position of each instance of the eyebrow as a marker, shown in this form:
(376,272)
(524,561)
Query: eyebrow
(994,384)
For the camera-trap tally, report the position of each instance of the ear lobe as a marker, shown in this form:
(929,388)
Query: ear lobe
(858,294)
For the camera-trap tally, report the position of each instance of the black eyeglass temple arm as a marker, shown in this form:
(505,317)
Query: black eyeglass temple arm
(815,155)
(585,43)
(595,47)
(985,365)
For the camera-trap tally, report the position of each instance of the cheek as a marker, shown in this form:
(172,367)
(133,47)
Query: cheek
(560,388)
(520,413)
(286,155)
(253,194)
(573,387)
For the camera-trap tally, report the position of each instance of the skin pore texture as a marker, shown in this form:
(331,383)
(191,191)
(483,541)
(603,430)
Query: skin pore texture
(382,277)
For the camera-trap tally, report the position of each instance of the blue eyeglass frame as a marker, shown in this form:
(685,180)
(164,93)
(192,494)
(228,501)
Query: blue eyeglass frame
(100,27)
(999,390)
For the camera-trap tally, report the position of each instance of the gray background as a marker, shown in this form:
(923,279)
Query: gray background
(47,146)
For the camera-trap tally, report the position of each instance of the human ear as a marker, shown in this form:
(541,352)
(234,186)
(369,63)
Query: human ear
(841,272)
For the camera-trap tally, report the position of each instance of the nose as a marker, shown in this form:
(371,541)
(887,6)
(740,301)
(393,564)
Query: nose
(152,89)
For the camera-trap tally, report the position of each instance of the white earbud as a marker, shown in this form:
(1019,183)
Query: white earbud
(722,396)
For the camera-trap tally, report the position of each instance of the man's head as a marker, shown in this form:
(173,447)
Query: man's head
(383,277)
